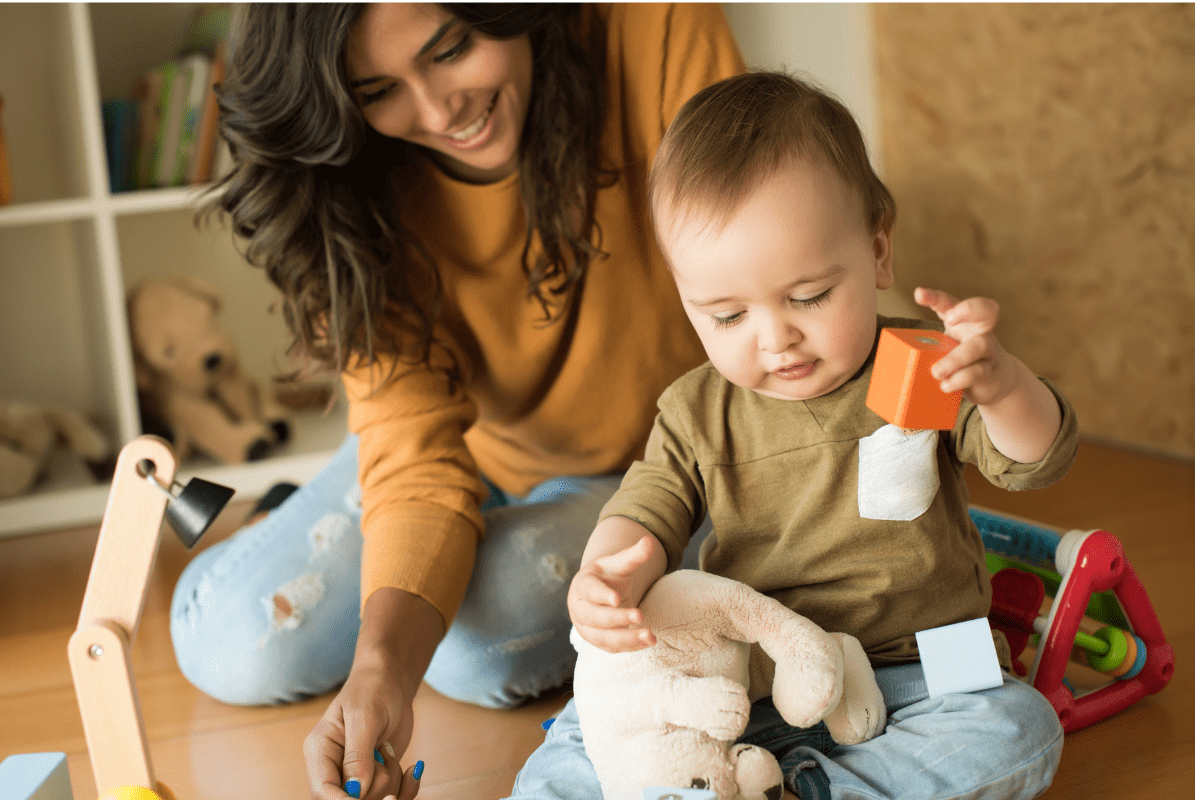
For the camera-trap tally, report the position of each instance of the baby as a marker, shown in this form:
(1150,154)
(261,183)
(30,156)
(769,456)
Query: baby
(778,233)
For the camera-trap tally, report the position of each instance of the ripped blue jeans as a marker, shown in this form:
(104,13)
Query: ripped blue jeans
(271,614)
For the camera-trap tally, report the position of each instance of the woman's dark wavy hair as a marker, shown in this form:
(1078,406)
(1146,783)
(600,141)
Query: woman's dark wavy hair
(314,204)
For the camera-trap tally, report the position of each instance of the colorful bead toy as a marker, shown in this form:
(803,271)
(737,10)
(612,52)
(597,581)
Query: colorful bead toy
(1091,575)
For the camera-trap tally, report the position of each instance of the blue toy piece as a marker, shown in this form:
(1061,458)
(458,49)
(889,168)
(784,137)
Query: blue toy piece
(35,776)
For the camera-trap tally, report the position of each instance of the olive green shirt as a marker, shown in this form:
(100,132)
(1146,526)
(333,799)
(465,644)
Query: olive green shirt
(782,480)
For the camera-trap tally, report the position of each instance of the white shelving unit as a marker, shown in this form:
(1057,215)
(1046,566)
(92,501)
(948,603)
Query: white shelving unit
(70,249)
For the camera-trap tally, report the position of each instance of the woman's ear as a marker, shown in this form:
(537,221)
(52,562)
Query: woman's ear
(882,246)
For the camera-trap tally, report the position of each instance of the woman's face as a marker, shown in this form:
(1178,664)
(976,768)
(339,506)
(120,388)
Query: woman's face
(421,75)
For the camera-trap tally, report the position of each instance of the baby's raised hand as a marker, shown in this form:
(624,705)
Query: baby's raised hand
(979,366)
(601,602)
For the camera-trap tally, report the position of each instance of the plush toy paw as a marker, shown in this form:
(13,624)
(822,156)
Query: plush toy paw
(861,714)
(757,773)
(718,706)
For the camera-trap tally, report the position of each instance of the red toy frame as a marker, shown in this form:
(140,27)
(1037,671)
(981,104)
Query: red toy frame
(1095,562)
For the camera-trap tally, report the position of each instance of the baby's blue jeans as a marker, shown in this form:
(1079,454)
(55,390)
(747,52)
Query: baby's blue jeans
(271,614)
(1001,743)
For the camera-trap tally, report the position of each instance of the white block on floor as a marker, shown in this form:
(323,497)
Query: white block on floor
(35,776)
(959,658)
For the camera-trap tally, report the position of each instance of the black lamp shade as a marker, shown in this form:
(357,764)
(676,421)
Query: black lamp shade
(194,509)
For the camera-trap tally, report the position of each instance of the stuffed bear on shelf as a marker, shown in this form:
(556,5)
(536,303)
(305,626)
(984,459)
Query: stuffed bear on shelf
(29,434)
(189,375)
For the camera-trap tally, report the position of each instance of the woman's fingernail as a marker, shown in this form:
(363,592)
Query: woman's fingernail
(352,787)
(379,756)
(418,770)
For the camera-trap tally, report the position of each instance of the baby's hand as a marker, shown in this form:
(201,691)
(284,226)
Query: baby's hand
(600,602)
(979,366)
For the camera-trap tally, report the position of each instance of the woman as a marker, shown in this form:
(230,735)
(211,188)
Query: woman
(451,199)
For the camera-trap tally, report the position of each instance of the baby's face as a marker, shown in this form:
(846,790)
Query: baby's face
(783,295)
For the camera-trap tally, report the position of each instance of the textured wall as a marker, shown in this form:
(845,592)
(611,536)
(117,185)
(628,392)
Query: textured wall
(1043,155)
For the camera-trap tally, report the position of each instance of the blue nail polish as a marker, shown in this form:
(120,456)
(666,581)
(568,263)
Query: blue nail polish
(352,788)
(379,756)
(546,725)
(418,770)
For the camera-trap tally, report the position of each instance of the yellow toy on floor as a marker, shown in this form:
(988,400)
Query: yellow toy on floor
(138,793)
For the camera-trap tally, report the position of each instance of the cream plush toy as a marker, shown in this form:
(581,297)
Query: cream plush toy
(189,373)
(668,715)
(28,435)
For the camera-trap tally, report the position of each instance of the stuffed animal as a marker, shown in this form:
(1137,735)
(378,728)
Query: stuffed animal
(668,715)
(188,373)
(28,436)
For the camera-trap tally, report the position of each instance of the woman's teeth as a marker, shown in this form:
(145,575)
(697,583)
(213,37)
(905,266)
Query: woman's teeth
(476,126)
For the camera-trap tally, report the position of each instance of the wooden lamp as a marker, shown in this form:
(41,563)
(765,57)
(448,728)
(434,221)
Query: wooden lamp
(99,650)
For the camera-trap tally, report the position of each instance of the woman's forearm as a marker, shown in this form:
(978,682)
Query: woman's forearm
(400,632)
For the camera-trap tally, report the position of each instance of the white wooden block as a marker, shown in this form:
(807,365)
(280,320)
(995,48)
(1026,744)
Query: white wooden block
(35,776)
(959,658)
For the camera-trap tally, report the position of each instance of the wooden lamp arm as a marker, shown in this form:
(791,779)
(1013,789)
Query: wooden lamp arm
(99,650)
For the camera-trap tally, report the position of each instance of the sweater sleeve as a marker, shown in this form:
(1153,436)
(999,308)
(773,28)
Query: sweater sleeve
(421,490)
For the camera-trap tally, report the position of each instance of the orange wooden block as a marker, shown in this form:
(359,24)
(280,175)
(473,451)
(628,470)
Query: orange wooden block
(903,390)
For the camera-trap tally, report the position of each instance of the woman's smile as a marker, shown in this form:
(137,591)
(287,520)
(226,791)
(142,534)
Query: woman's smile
(417,71)
(470,137)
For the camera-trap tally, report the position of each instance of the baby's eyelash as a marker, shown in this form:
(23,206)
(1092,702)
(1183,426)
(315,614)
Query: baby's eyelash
(726,321)
(813,302)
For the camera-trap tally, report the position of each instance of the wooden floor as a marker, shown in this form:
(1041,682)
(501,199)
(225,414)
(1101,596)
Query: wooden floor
(204,750)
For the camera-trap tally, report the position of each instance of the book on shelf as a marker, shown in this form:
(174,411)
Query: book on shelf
(197,67)
(120,141)
(200,166)
(166,133)
(153,94)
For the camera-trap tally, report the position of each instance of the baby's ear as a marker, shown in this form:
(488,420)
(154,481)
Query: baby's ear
(881,246)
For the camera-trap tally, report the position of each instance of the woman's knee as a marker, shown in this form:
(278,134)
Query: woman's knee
(501,674)
(271,614)
(264,639)
(509,641)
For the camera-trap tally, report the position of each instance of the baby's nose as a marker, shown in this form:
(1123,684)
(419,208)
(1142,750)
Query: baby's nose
(213,362)
(777,336)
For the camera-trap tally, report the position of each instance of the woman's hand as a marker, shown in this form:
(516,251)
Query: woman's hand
(374,709)
(605,593)
(369,714)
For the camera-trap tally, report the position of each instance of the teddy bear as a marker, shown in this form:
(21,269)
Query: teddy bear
(189,375)
(668,715)
(29,434)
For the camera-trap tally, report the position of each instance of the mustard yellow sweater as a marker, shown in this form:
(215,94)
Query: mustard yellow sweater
(539,400)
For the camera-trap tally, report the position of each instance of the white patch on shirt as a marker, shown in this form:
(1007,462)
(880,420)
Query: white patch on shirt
(897,473)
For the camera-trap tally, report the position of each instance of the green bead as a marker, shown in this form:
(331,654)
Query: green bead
(1118,648)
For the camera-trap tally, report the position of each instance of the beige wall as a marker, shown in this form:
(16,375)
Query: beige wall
(1044,155)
